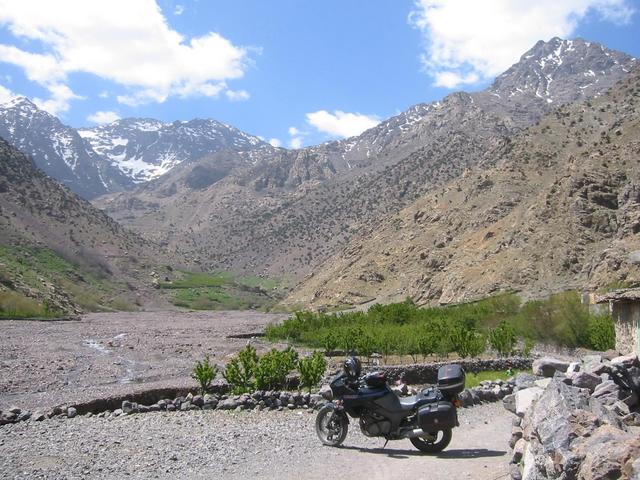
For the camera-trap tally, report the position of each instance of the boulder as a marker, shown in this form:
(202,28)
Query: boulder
(518,450)
(586,380)
(14,409)
(38,416)
(547,366)
(525,398)
(129,407)
(71,412)
(184,406)
(542,383)
(608,387)
(525,380)
(228,404)
(627,361)
(605,452)
(198,401)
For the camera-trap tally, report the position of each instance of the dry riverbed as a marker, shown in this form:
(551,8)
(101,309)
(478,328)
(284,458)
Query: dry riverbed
(239,445)
(43,364)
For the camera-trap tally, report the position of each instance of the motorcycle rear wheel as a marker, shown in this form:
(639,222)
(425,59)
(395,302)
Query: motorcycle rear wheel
(435,443)
(331,426)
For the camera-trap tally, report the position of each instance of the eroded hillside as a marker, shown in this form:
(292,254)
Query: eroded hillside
(559,209)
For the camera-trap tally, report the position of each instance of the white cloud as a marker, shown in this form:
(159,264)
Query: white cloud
(109,40)
(5,94)
(101,117)
(468,41)
(275,142)
(293,131)
(237,95)
(103,94)
(61,96)
(341,124)
(178,10)
(295,142)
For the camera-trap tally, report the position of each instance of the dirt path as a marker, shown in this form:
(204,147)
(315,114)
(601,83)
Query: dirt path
(44,364)
(240,445)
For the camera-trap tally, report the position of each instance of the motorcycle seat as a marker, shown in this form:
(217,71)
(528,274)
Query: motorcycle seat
(413,402)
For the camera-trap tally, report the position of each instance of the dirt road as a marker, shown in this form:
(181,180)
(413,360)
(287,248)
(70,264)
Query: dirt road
(240,445)
(48,363)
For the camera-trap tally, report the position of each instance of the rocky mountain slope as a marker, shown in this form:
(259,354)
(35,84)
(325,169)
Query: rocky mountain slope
(116,157)
(557,207)
(295,209)
(46,229)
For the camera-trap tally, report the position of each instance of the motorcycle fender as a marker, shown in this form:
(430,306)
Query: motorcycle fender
(338,409)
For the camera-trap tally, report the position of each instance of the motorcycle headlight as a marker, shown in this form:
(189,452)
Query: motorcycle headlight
(326,393)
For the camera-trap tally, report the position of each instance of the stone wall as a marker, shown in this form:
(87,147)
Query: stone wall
(581,422)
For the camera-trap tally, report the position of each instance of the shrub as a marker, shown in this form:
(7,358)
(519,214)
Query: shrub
(204,373)
(311,370)
(502,338)
(602,332)
(273,367)
(240,370)
(467,343)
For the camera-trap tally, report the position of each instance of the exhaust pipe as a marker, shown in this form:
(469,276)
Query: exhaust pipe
(418,432)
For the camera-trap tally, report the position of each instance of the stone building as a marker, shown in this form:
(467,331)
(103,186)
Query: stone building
(624,306)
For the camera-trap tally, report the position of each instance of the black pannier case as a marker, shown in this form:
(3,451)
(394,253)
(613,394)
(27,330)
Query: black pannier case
(437,416)
(375,380)
(451,379)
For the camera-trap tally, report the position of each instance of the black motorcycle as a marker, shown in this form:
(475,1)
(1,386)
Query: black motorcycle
(426,419)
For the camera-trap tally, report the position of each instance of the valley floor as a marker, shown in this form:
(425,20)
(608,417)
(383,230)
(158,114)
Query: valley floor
(239,445)
(43,364)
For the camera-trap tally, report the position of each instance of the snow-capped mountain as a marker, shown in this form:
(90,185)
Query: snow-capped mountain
(57,149)
(116,157)
(143,149)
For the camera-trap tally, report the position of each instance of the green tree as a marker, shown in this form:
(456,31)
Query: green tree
(240,370)
(204,372)
(273,367)
(602,332)
(311,370)
(502,338)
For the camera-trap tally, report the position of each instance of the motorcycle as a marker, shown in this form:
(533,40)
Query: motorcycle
(426,419)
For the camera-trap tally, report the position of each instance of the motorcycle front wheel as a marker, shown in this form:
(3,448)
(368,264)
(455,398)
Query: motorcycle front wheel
(433,443)
(331,426)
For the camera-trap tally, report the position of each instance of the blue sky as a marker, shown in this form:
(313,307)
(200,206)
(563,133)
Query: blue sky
(297,72)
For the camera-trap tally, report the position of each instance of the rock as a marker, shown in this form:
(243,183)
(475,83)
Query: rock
(185,406)
(542,383)
(554,417)
(38,416)
(518,450)
(465,398)
(129,407)
(514,471)
(189,397)
(574,367)
(525,398)
(632,419)
(117,412)
(509,402)
(547,366)
(228,404)
(154,408)
(598,368)
(15,410)
(606,388)
(627,361)
(162,404)
(23,416)
(525,380)
(586,380)
(198,401)
(605,452)
(71,412)
(171,407)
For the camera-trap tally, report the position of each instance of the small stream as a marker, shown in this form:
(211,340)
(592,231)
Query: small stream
(128,364)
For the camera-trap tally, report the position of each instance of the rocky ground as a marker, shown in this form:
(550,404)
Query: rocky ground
(223,444)
(43,364)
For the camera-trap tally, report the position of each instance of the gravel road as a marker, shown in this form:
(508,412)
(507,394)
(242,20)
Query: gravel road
(43,364)
(240,445)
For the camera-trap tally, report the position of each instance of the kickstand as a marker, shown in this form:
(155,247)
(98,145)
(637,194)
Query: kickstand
(385,443)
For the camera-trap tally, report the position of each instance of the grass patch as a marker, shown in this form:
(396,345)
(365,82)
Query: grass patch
(220,290)
(33,267)
(16,305)
(474,379)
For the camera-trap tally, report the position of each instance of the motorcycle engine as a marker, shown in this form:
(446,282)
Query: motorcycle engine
(374,425)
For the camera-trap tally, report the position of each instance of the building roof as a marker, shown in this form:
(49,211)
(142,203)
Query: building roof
(620,295)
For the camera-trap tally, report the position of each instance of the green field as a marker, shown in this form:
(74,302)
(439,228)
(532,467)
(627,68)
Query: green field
(220,290)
